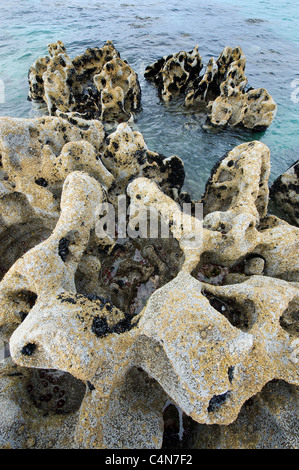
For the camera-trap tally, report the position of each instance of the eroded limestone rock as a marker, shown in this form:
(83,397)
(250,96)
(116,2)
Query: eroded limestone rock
(201,341)
(220,91)
(284,192)
(174,73)
(38,154)
(97,84)
(266,421)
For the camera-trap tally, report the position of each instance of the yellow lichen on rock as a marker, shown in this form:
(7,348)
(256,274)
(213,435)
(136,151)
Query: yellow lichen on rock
(207,345)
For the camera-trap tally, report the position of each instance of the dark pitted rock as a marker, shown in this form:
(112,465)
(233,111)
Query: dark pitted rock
(285,192)
(220,91)
(174,73)
(97,84)
(223,89)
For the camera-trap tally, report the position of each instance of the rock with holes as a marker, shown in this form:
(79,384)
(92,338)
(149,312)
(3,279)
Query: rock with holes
(97,84)
(205,343)
(174,73)
(119,90)
(284,192)
(51,148)
(227,72)
(92,339)
(127,156)
(220,91)
(235,209)
(212,380)
(39,408)
(223,89)
(235,223)
(38,154)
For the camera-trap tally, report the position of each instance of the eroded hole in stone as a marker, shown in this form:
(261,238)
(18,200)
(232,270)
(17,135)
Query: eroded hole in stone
(129,275)
(55,392)
(289,320)
(179,429)
(230,373)
(218,199)
(67,245)
(23,302)
(28,296)
(217,400)
(241,314)
(41,182)
(212,273)
(226,175)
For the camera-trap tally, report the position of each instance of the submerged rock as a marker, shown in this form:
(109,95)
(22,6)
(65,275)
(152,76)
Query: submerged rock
(221,90)
(285,193)
(97,84)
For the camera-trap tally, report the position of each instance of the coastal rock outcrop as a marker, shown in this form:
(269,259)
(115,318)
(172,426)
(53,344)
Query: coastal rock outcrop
(285,193)
(205,316)
(174,73)
(220,91)
(38,154)
(96,84)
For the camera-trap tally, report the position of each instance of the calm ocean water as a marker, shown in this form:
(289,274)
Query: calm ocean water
(142,31)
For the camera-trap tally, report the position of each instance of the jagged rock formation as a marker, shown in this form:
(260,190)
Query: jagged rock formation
(205,317)
(221,90)
(38,154)
(174,73)
(285,193)
(97,84)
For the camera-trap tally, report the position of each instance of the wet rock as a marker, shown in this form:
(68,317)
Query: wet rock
(223,88)
(220,92)
(50,148)
(174,73)
(96,84)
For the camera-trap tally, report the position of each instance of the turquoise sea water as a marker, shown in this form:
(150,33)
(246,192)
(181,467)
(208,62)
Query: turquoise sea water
(142,31)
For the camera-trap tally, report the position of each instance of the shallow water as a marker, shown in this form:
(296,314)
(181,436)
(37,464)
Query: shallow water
(143,31)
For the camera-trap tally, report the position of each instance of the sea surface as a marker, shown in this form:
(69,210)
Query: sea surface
(143,31)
